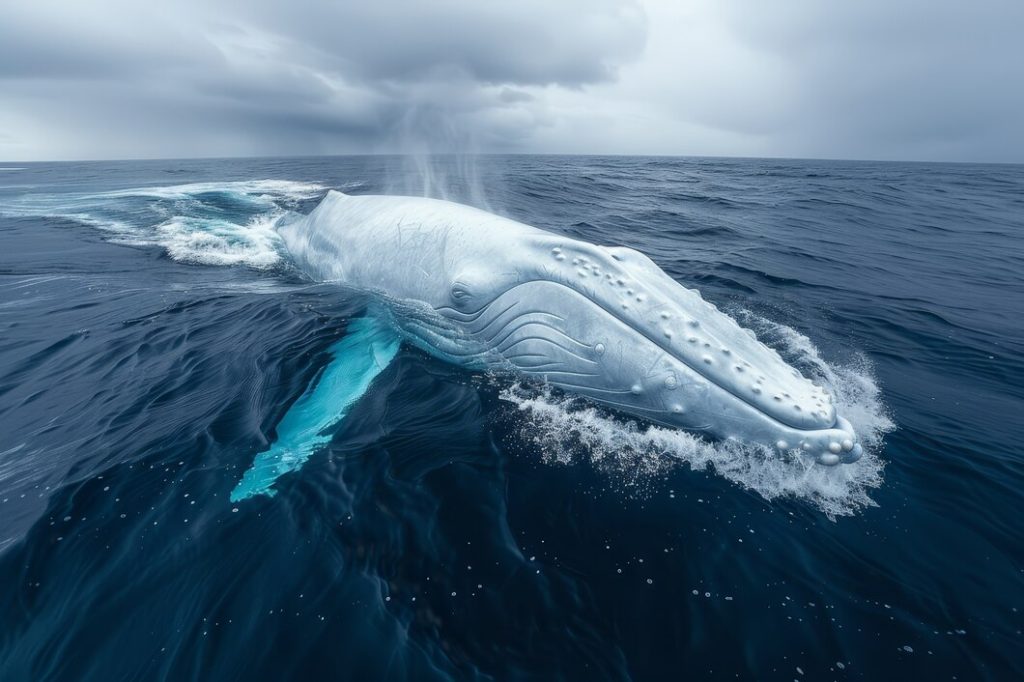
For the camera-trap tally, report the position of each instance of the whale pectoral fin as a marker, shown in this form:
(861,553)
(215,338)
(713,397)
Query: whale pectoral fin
(366,350)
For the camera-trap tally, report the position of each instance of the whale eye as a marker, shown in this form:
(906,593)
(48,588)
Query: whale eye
(460,292)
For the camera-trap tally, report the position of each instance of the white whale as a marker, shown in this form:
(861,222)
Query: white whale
(490,293)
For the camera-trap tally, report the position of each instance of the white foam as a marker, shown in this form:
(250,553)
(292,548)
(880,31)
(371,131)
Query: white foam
(75,205)
(259,190)
(105,224)
(178,217)
(853,385)
(220,242)
(567,430)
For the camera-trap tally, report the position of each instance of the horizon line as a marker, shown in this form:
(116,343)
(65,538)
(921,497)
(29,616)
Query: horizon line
(464,154)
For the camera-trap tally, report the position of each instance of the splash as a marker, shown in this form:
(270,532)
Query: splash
(213,241)
(228,223)
(568,430)
(852,384)
(364,352)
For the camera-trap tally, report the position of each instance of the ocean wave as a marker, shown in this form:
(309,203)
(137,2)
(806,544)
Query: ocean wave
(58,204)
(204,223)
(220,242)
(271,191)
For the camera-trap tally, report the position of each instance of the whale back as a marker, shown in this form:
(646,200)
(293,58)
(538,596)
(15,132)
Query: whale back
(407,247)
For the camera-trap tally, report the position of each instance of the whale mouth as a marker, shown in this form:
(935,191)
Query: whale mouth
(833,442)
(830,444)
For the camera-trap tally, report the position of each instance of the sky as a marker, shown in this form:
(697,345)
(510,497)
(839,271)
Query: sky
(866,79)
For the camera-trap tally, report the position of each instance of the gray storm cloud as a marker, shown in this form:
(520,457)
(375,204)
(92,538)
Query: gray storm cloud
(110,78)
(872,79)
(909,79)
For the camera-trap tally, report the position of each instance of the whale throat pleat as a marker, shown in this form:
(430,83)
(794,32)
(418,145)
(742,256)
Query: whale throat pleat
(365,351)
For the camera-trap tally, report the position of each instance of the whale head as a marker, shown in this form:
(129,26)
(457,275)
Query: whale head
(603,322)
(609,324)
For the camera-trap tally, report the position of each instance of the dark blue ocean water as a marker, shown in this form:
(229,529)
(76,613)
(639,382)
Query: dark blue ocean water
(153,334)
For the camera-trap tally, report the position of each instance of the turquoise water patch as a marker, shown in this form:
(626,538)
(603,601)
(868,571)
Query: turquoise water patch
(368,347)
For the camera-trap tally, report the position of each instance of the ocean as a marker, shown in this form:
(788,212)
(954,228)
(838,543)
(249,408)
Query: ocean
(154,333)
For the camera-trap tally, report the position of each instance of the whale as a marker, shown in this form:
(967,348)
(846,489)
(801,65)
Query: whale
(605,323)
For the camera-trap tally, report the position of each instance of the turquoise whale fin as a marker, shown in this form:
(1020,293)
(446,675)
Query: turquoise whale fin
(368,347)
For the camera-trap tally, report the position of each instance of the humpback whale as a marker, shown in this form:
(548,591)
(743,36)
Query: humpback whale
(603,322)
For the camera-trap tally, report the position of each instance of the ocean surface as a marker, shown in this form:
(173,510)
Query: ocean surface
(154,334)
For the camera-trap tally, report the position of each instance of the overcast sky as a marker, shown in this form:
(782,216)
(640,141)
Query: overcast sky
(874,79)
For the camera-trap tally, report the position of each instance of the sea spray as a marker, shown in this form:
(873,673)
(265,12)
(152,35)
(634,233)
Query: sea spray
(439,159)
(567,430)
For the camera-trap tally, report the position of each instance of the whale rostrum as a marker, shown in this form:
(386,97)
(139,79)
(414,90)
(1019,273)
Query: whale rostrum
(486,292)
